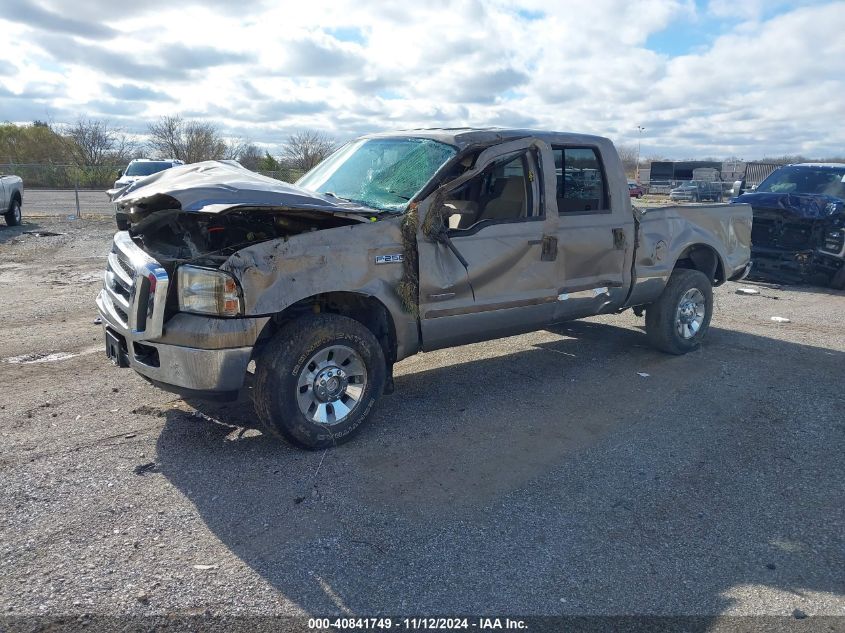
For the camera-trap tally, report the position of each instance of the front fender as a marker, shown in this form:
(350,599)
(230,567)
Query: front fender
(279,273)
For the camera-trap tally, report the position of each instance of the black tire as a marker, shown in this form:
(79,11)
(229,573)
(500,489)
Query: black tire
(662,316)
(13,215)
(282,363)
(122,221)
(837,282)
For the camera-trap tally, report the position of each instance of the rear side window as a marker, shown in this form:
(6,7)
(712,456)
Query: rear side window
(581,186)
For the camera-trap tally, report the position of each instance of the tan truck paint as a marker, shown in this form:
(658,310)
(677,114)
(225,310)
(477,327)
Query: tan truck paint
(521,275)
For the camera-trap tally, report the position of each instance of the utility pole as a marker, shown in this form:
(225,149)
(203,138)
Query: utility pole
(640,130)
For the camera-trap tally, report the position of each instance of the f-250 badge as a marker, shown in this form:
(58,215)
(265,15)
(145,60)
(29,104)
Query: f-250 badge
(398,258)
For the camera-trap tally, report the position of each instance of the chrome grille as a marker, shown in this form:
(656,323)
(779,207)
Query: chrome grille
(134,289)
(834,241)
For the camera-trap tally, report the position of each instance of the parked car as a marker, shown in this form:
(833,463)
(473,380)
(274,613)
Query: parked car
(799,223)
(11,199)
(697,191)
(396,243)
(141,168)
(635,191)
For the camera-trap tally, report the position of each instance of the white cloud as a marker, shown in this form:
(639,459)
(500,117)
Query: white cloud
(762,85)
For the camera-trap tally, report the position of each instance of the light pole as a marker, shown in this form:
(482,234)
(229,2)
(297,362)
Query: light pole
(640,130)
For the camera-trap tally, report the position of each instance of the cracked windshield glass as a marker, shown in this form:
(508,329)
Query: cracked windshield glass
(383,174)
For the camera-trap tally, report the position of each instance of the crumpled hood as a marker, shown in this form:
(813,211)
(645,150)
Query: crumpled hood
(802,205)
(217,185)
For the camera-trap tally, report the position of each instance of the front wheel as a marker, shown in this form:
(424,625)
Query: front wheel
(679,319)
(13,215)
(318,379)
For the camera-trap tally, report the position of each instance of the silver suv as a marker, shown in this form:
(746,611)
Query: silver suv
(143,167)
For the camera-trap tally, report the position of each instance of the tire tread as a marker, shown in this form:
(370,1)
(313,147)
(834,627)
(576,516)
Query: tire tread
(660,315)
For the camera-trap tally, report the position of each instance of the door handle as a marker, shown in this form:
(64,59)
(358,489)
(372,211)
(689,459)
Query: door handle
(619,240)
(549,253)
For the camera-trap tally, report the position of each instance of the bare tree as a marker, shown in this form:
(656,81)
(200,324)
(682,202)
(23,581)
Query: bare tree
(189,141)
(307,148)
(628,155)
(249,156)
(94,143)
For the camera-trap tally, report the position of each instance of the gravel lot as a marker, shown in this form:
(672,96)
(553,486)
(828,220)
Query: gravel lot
(538,474)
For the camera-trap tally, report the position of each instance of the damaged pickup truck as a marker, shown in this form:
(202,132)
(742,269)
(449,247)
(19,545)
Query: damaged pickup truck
(395,244)
(799,224)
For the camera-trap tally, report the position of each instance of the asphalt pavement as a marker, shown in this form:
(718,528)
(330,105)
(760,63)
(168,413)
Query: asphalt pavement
(569,471)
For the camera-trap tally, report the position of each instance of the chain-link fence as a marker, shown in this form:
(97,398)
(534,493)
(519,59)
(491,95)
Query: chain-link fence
(40,176)
(285,175)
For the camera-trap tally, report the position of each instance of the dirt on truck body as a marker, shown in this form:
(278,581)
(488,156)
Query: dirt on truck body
(397,243)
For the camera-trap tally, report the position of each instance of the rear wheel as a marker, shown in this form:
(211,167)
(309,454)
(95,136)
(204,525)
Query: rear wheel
(679,319)
(318,379)
(13,215)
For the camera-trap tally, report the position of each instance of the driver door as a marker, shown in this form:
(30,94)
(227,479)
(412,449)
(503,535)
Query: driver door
(495,218)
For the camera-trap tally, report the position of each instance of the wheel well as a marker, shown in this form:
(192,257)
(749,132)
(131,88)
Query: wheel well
(705,259)
(15,196)
(365,309)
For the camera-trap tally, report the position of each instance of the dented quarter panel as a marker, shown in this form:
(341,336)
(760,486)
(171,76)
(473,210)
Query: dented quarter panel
(281,272)
(665,233)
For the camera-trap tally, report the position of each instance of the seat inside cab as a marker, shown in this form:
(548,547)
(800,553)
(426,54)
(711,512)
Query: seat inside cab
(497,194)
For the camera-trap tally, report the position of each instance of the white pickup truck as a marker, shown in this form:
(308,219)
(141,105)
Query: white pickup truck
(11,199)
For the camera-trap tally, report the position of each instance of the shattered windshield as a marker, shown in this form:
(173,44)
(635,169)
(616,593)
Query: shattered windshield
(796,179)
(382,173)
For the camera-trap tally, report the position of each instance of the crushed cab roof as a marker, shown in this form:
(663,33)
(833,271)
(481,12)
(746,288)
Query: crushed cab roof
(463,137)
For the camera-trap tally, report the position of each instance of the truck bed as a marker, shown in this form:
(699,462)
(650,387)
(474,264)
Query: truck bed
(665,234)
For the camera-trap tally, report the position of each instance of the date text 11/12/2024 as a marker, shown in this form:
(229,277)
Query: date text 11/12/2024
(483,624)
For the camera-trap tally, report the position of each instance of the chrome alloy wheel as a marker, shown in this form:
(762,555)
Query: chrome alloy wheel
(16,210)
(689,316)
(331,384)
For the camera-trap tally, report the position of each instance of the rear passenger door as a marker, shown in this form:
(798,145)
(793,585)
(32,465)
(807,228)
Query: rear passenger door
(595,233)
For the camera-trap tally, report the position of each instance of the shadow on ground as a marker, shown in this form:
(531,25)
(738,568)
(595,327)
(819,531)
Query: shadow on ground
(9,233)
(551,480)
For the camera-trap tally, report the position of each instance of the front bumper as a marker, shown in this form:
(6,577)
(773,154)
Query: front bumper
(182,368)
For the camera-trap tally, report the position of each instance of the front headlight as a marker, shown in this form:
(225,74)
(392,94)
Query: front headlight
(208,291)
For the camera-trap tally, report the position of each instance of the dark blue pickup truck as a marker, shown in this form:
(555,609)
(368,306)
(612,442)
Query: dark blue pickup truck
(799,224)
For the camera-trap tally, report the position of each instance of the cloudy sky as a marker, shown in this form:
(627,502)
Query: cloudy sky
(744,78)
